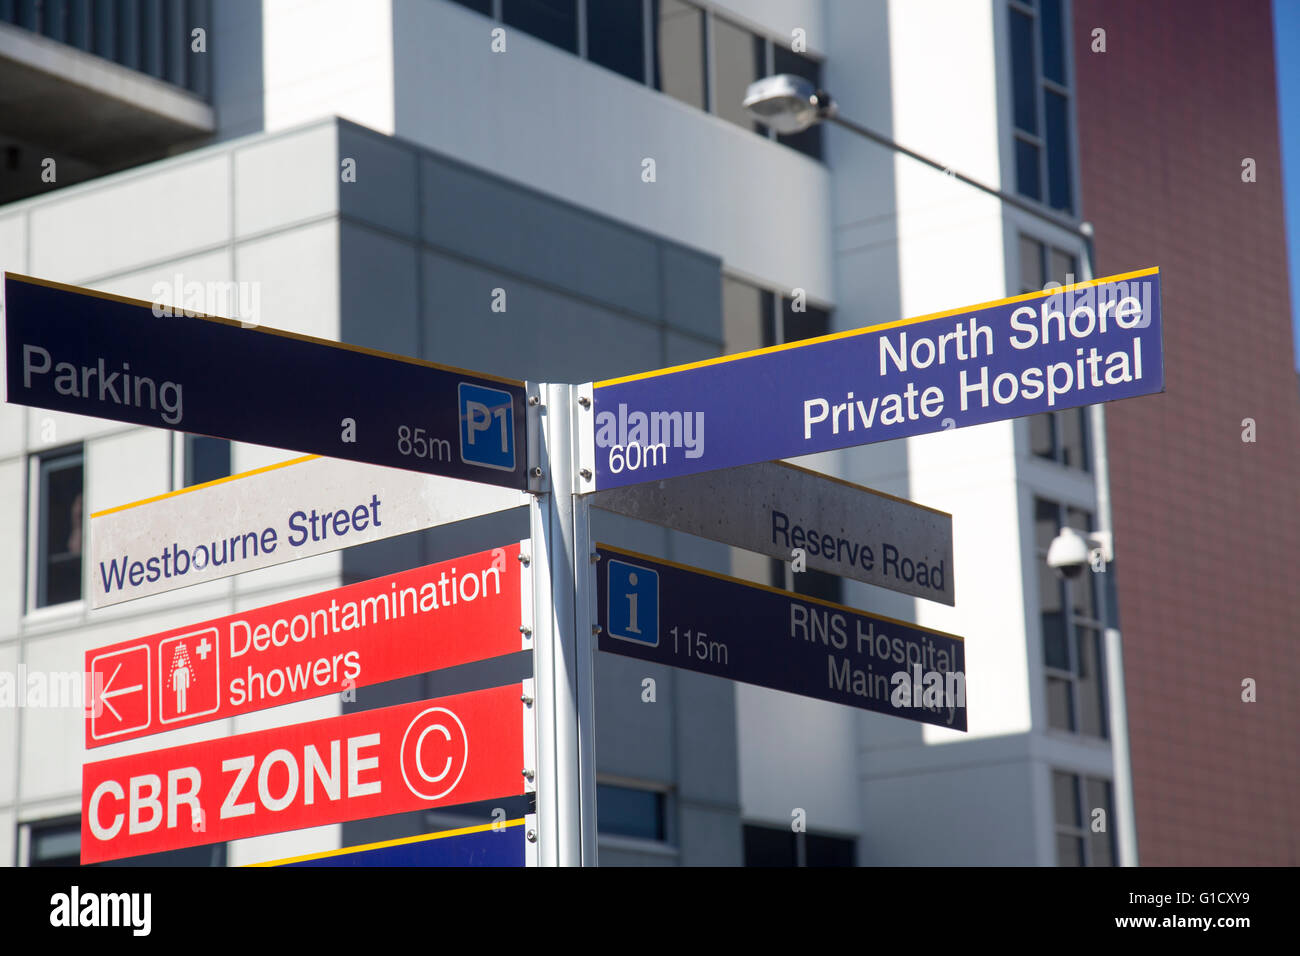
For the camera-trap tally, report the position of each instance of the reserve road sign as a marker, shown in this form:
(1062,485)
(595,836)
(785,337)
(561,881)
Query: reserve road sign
(89,353)
(269,516)
(655,610)
(466,609)
(1090,342)
(841,528)
(490,844)
(416,756)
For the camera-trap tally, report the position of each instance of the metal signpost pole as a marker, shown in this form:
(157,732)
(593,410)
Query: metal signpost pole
(563,620)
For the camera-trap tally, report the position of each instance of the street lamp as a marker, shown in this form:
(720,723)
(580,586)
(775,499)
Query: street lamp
(791,104)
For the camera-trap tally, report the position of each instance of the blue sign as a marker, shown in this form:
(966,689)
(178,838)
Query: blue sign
(73,350)
(634,614)
(758,635)
(501,845)
(1091,342)
(487,426)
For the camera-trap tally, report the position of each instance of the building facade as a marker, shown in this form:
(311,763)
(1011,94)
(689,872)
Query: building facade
(391,174)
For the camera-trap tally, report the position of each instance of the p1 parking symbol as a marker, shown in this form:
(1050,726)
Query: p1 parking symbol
(633,603)
(487,427)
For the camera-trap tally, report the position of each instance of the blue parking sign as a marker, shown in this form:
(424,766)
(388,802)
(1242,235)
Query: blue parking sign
(487,427)
(633,603)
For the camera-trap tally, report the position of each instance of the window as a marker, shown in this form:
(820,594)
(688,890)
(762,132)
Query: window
(693,55)
(54,842)
(555,21)
(809,582)
(1073,655)
(1040,102)
(739,58)
(206,459)
(616,37)
(59,527)
(1084,837)
(630,812)
(773,846)
(755,318)
(679,58)
(58,843)
(1062,436)
(809,142)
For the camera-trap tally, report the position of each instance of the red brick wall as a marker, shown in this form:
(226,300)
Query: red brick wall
(1207,527)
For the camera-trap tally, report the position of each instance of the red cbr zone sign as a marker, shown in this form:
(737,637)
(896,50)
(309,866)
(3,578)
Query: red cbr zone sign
(411,757)
(450,613)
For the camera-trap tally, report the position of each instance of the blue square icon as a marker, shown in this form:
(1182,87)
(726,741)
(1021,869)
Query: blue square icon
(487,427)
(633,603)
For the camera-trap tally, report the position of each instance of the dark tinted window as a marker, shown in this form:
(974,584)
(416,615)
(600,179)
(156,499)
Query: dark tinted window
(1049,23)
(59,570)
(625,811)
(1024,78)
(809,141)
(828,851)
(616,37)
(478,6)
(1058,151)
(806,324)
(206,459)
(768,846)
(1028,179)
(555,21)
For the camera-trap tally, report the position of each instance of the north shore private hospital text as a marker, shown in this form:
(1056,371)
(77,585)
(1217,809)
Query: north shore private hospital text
(970,339)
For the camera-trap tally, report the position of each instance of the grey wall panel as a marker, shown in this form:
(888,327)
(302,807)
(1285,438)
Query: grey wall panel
(385,192)
(526,233)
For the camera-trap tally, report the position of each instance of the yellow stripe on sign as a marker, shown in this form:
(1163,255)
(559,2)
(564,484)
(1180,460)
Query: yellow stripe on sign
(206,484)
(424,838)
(773,349)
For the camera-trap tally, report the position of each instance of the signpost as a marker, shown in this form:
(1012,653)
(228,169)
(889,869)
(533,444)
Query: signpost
(670,614)
(466,609)
(89,353)
(1090,342)
(269,516)
(492,844)
(414,756)
(841,528)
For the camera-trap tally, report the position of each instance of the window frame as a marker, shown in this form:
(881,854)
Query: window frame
(1042,85)
(1082,829)
(1075,621)
(38,511)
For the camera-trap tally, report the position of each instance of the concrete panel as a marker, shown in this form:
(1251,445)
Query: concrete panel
(520,231)
(121,222)
(13,243)
(13,514)
(280,846)
(622,717)
(548,336)
(285,179)
(620,853)
(379,277)
(709,836)
(692,291)
(167,284)
(962,816)
(127,467)
(9,684)
(386,187)
(8,836)
(299,275)
(705,736)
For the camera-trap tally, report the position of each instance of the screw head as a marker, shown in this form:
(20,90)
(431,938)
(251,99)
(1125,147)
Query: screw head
(532,836)
(536,472)
(534,400)
(584,401)
(586,474)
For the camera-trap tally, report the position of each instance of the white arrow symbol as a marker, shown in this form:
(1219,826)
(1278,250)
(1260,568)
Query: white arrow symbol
(105,694)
